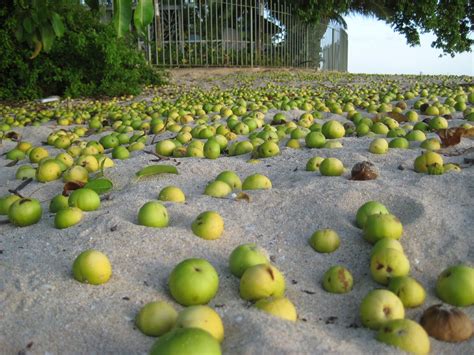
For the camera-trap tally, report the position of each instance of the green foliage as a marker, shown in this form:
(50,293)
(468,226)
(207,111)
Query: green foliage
(89,60)
(450,20)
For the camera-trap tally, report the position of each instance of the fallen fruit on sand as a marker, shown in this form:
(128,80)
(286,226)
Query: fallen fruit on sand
(380,306)
(455,285)
(337,280)
(378,146)
(406,335)
(451,167)
(410,292)
(426,159)
(85,199)
(153,214)
(202,317)
(76,173)
(386,243)
(48,171)
(280,307)
(379,226)
(446,323)
(93,267)
(217,189)
(256,182)
(231,178)
(6,202)
(58,202)
(67,217)
(25,212)
(186,341)
(268,149)
(193,282)
(314,163)
(333,129)
(315,140)
(363,171)
(156,318)
(325,240)
(38,153)
(245,256)
(367,209)
(388,263)
(208,225)
(212,149)
(331,167)
(172,194)
(261,281)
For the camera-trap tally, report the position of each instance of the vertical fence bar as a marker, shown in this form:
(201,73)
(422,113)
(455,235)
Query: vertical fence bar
(188,31)
(222,33)
(237,34)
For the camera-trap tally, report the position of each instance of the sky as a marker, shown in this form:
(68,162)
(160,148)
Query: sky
(375,48)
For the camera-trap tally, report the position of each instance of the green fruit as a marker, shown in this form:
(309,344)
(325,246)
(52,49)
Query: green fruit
(208,225)
(165,147)
(268,149)
(405,334)
(25,212)
(25,172)
(386,243)
(416,135)
(93,267)
(120,152)
(431,144)
(325,241)
(379,226)
(15,154)
(59,202)
(261,281)
(67,217)
(438,123)
(333,129)
(388,263)
(256,182)
(367,209)
(380,306)
(435,169)
(315,140)
(280,307)
(428,158)
(202,317)
(245,256)
(314,163)
(76,174)
(455,285)
(410,292)
(85,199)
(331,167)
(48,171)
(6,202)
(217,189)
(193,282)
(243,147)
(230,178)
(171,193)
(153,214)
(378,146)
(337,280)
(186,341)
(451,167)
(156,318)
(399,142)
(37,154)
(212,149)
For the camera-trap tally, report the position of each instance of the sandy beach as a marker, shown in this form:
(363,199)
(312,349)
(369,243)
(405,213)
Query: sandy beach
(43,310)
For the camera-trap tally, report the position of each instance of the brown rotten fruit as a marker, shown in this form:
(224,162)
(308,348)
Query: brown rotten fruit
(447,324)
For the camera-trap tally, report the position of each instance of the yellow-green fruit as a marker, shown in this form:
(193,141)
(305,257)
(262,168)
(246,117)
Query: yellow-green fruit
(379,226)
(67,217)
(208,225)
(388,263)
(367,209)
(165,147)
(202,317)
(331,167)
(280,307)
(380,306)
(230,178)
(256,182)
(38,153)
(386,243)
(93,267)
(405,334)
(186,341)
(48,171)
(293,143)
(153,214)
(85,199)
(337,279)
(76,173)
(89,162)
(410,292)
(261,281)
(59,202)
(156,318)
(378,146)
(217,189)
(171,193)
(325,240)
(6,202)
(428,158)
(314,163)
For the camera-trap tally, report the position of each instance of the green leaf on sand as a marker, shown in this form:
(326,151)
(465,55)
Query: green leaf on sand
(100,185)
(157,169)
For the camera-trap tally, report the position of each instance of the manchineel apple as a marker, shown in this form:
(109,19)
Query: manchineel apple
(280,307)
(93,267)
(208,225)
(85,199)
(6,202)
(153,214)
(231,178)
(256,182)
(172,194)
(367,209)
(186,341)
(156,318)
(331,167)
(325,241)
(245,256)
(337,279)
(202,317)
(67,217)
(25,212)
(261,281)
(387,263)
(455,285)
(193,282)
(405,334)
(379,226)
(217,189)
(410,292)
(380,306)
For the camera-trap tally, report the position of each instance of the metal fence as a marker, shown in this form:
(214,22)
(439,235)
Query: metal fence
(241,33)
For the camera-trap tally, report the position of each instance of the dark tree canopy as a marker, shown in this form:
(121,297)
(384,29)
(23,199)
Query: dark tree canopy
(452,21)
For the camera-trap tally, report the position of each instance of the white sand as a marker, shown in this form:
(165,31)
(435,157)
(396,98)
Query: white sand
(42,305)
